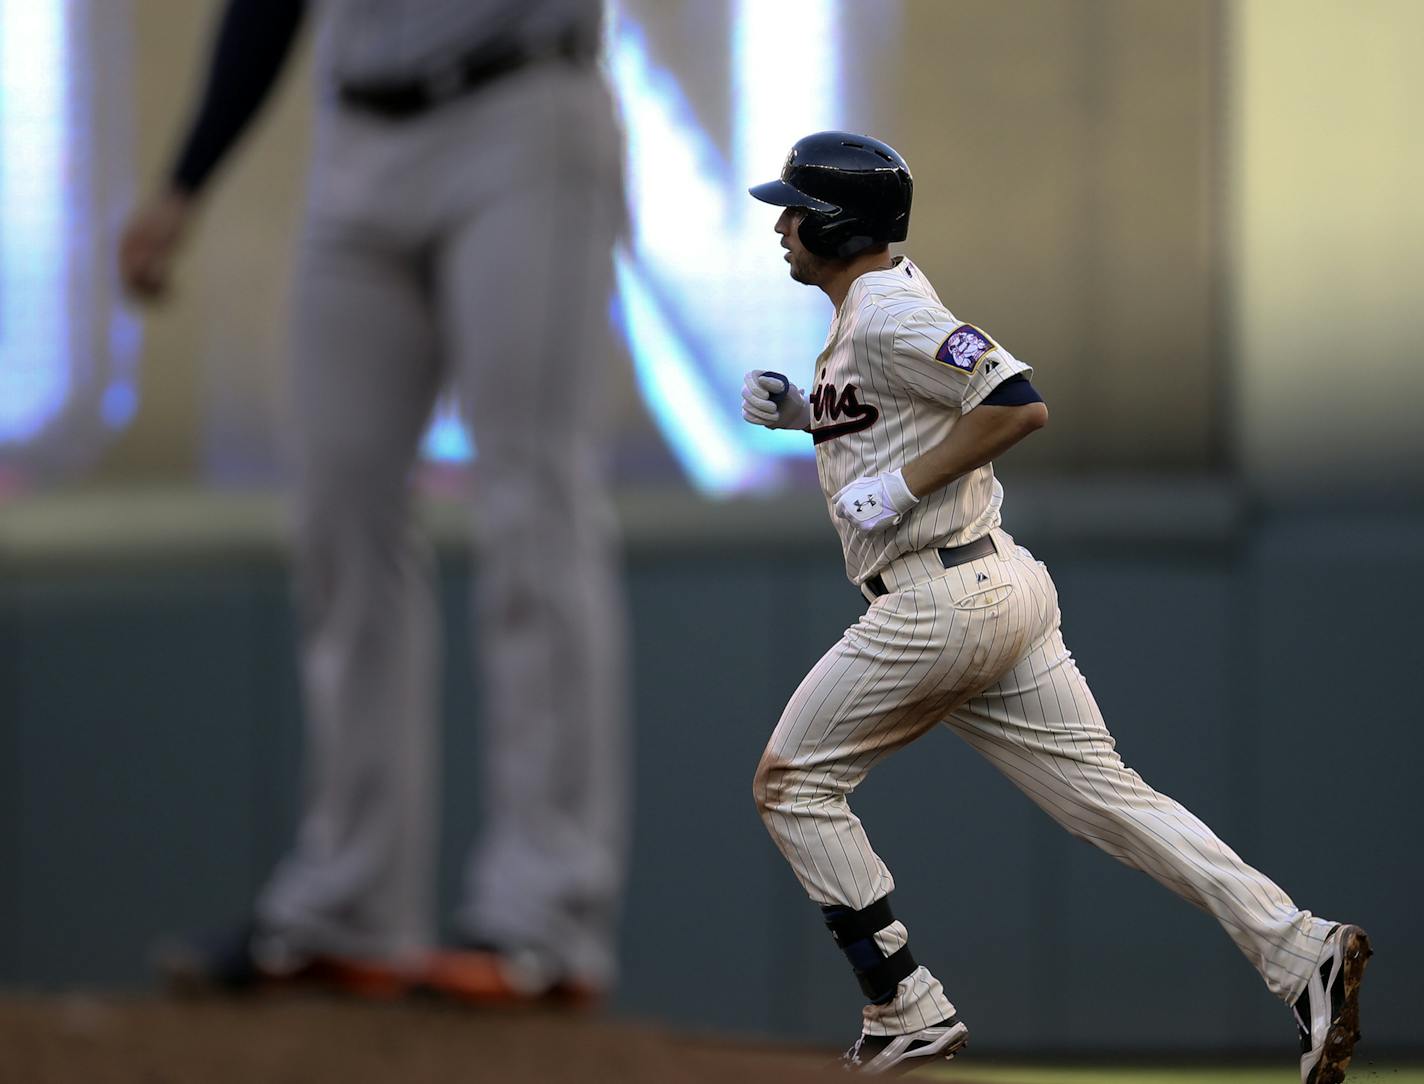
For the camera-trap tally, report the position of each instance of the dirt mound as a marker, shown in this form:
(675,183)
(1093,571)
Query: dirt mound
(110,1040)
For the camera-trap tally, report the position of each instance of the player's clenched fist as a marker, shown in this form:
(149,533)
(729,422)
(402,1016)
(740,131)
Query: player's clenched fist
(876,501)
(771,400)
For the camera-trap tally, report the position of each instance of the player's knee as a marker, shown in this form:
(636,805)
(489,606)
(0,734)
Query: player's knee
(354,499)
(769,783)
(535,511)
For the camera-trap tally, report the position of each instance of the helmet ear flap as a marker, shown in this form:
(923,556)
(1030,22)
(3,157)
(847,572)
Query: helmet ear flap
(814,233)
(831,238)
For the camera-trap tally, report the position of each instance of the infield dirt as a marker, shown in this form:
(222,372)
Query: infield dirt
(78,1039)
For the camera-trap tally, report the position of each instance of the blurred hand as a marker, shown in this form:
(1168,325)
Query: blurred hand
(149,243)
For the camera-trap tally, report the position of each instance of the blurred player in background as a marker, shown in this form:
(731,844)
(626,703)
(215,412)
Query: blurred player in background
(464,197)
(910,407)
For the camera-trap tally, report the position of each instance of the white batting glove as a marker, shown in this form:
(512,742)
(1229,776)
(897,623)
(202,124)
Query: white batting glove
(771,400)
(875,502)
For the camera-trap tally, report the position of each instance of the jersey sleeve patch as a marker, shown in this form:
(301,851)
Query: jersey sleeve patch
(963,348)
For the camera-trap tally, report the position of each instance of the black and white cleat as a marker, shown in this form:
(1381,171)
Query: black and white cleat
(1327,1014)
(901,1053)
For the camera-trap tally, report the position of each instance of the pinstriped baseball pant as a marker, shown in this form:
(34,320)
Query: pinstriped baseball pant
(978,647)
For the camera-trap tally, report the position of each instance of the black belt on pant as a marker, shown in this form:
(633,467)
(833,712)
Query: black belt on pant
(398,99)
(954,555)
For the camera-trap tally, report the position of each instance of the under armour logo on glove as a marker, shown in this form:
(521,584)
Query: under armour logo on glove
(875,502)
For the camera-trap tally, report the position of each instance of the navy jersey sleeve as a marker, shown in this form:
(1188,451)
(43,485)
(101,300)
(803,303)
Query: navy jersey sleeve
(254,39)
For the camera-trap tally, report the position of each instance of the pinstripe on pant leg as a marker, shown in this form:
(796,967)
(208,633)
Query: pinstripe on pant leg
(1041,727)
(915,655)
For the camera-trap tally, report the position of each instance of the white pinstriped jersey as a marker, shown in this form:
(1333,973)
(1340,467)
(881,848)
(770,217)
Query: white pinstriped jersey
(897,372)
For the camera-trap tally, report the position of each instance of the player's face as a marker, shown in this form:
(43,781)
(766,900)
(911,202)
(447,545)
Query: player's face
(806,267)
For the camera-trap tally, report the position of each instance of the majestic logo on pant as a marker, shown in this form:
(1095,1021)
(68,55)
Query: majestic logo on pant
(826,402)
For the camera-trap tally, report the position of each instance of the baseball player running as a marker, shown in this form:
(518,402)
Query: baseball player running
(908,408)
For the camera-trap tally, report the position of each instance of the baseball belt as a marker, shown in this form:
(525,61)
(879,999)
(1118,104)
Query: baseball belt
(874,587)
(399,99)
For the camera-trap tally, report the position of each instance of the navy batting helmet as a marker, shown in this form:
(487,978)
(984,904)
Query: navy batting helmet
(855,191)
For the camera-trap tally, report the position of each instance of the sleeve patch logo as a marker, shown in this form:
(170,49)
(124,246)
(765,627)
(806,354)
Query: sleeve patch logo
(964,347)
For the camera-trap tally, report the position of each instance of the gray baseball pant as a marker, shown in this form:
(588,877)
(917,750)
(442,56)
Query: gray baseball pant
(468,248)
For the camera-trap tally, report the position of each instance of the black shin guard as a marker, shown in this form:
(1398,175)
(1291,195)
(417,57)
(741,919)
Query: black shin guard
(855,932)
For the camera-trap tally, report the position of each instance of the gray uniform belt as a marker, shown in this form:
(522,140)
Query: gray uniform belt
(874,587)
(401,98)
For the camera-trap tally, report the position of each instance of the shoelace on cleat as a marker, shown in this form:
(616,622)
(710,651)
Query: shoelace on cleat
(852,1056)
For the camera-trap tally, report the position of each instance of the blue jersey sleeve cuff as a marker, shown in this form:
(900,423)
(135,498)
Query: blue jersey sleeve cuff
(1017,390)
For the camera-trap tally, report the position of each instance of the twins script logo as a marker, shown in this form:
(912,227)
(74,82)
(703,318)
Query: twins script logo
(826,402)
